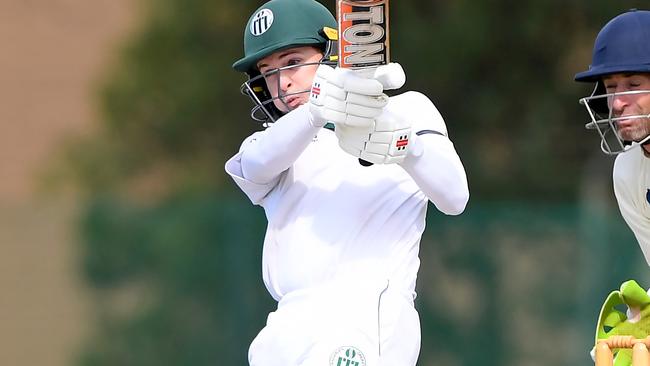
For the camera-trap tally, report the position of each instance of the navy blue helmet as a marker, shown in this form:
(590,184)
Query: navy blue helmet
(622,46)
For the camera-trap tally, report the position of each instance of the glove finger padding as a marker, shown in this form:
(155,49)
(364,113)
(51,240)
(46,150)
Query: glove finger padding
(320,88)
(342,119)
(352,139)
(353,133)
(378,147)
(356,104)
(394,132)
(362,110)
(322,92)
(371,101)
(355,83)
(344,98)
(392,145)
(334,104)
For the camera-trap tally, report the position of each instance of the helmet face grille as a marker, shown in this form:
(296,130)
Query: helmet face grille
(605,123)
(265,109)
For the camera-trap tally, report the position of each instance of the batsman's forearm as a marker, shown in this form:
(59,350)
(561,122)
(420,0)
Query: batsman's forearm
(279,147)
(436,168)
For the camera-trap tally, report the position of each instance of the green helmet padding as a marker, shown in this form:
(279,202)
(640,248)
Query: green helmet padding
(281,24)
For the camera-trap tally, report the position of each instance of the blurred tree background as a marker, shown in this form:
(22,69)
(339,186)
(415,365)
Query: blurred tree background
(172,249)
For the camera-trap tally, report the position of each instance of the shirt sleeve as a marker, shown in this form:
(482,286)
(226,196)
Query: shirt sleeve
(432,160)
(266,155)
(631,208)
(256,192)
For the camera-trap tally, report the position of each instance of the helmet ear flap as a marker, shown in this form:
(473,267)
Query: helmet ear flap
(330,47)
(264,110)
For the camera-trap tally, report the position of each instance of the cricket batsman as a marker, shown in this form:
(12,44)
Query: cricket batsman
(619,109)
(340,254)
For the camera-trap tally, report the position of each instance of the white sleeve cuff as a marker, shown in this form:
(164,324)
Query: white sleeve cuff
(254,191)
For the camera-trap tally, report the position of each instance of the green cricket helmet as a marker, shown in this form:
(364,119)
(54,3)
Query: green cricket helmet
(279,25)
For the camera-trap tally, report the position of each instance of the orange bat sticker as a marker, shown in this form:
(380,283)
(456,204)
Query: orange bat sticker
(363,33)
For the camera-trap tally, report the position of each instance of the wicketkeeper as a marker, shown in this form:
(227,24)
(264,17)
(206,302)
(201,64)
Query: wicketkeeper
(619,109)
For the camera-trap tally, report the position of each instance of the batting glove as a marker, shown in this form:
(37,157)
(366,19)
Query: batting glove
(345,98)
(386,139)
(635,322)
(390,76)
(387,142)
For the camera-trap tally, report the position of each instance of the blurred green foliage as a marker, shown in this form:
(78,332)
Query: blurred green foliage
(173,249)
(176,284)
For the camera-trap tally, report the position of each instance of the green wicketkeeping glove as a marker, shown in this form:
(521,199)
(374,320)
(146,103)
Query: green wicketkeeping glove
(635,322)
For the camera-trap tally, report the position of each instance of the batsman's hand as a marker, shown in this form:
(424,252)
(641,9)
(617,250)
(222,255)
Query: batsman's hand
(387,142)
(345,98)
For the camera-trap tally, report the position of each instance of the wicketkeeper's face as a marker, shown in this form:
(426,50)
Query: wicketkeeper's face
(629,95)
(289,74)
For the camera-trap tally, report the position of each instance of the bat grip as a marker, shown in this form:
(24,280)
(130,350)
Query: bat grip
(367,73)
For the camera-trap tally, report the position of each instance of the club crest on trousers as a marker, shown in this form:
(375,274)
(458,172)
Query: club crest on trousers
(347,356)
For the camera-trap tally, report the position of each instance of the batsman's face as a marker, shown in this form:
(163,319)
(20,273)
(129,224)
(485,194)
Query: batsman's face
(288,80)
(629,104)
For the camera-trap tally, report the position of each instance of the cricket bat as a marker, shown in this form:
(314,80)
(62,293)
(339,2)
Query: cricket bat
(363,37)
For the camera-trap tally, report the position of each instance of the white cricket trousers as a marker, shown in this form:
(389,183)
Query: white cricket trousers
(351,323)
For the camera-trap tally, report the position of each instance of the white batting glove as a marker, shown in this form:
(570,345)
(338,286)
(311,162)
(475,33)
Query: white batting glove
(386,140)
(390,76)
(345,98)
(386,143)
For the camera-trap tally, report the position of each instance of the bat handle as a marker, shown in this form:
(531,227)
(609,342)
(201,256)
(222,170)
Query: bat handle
(367,72)
(364,162)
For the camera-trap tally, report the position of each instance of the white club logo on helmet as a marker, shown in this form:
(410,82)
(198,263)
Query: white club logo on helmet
(261,22)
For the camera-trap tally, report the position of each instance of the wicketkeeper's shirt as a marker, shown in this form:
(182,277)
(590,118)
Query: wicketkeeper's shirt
(632,189)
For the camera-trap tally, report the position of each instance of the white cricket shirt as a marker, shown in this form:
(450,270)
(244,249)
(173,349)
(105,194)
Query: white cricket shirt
(327,212)
(329,218)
